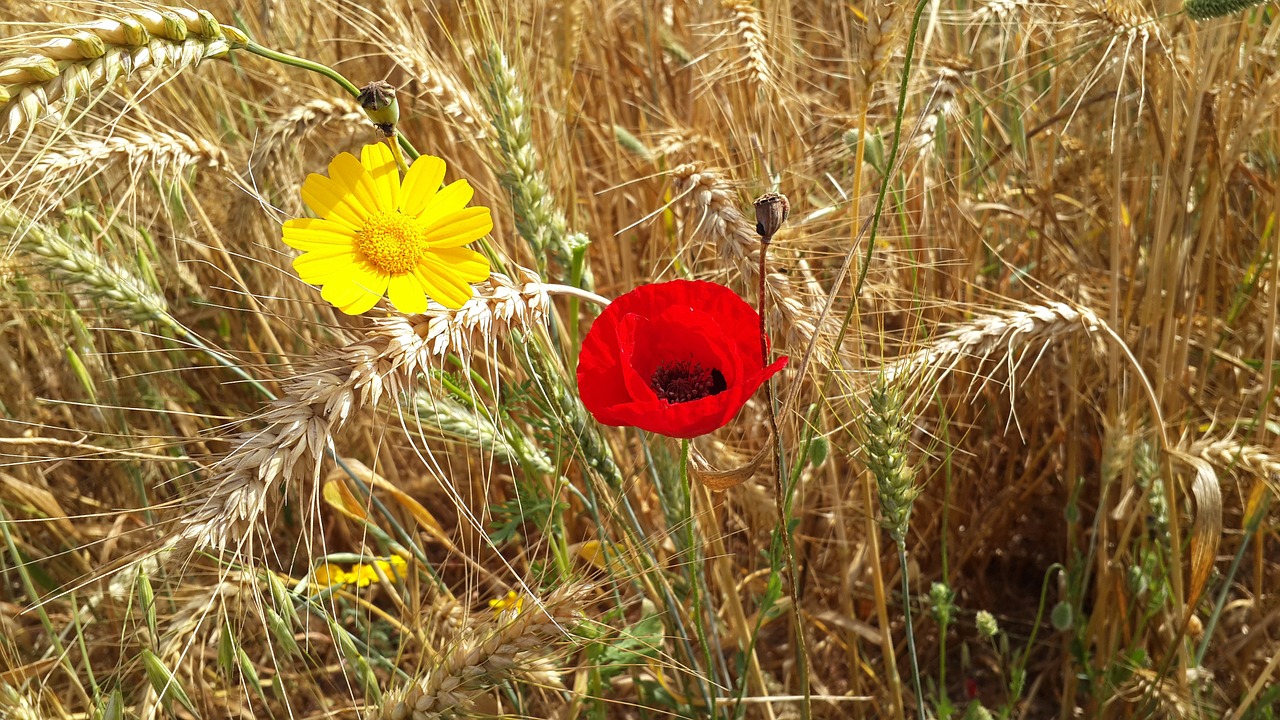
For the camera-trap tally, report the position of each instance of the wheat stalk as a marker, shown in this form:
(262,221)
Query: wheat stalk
(50,75)
(319,400)
(487,655)
(983,337)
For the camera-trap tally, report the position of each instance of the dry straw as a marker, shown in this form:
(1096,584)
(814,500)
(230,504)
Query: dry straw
(511,642)
(85,59)
(318,401)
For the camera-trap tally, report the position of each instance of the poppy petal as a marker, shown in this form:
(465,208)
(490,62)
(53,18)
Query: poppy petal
(690,326)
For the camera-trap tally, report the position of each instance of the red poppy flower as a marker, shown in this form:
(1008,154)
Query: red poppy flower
(677,358)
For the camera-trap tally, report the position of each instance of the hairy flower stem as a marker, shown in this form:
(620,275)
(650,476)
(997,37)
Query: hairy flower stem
(780,494)
(334,75)
(305,64)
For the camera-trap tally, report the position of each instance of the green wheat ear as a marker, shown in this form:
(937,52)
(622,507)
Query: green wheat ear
(1205,9)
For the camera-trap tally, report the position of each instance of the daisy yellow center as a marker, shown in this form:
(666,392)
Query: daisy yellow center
(392,242)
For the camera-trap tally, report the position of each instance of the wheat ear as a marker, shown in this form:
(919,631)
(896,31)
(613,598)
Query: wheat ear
(286,131)
(167,153)
(538,218)
(90,57)
(486,655)
(750,27)
(70,259)
(984,337)
(437,81)
(1228,453)
(319,400)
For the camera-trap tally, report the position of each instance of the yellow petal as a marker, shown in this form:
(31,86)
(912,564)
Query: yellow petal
(406,294)
(318,267)
(362,304)
(349,173)
(313,234)
(466,264)
(460,228)
(446,289)
(381,164)
(331,201)
(374,285)
(341,292)
(421,183)
(328,575)
(451,199)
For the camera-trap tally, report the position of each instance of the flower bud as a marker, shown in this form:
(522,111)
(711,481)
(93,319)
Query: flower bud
(378,99)
(771,212)
(987,625)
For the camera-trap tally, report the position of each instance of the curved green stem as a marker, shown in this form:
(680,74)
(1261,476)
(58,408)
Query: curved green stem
(305,64)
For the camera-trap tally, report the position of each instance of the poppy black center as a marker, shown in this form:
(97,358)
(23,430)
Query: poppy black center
(685,381)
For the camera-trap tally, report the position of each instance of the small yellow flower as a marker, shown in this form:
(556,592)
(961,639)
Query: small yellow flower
(361,574)
(328,575)
(364,574)
(511,600)
(377,237)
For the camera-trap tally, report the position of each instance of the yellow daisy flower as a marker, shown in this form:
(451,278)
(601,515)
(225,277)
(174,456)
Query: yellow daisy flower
(376,236)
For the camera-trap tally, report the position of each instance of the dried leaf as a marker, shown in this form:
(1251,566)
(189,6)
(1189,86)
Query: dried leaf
(702,470)
(1206,526)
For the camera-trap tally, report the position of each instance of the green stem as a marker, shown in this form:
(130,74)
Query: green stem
(305,64)
(330,73)
(911,636)
(695,571)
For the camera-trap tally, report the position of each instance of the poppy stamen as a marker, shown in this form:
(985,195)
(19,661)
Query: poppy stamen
(685,381)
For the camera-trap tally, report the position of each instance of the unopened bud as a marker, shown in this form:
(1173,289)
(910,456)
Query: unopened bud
(378,99)
(771,212)
(987,625)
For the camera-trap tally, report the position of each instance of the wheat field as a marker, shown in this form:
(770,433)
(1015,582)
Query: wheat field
(1020,462)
